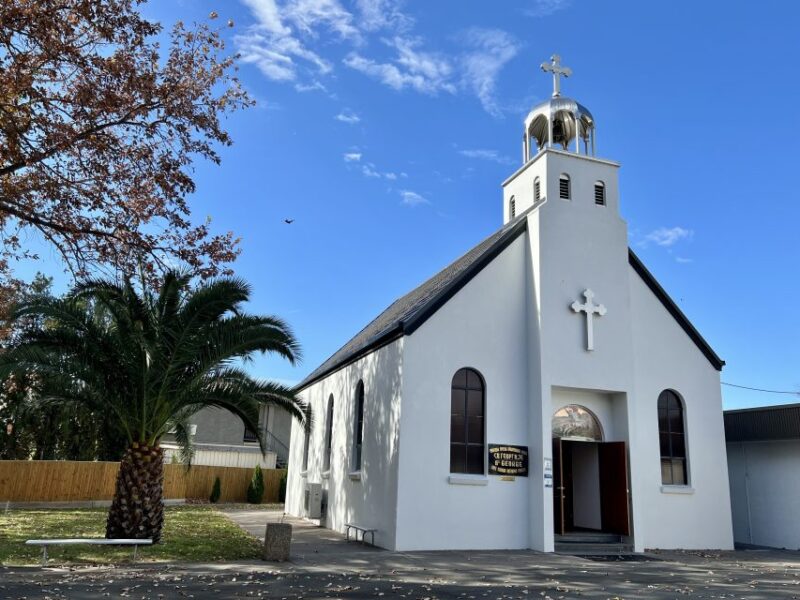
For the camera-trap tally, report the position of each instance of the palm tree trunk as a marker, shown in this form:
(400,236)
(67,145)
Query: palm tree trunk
(137,510)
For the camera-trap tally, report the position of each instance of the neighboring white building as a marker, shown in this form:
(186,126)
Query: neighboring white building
(548,342)
(764,471)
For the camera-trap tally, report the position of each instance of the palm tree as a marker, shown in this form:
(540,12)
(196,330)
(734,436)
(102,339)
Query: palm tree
(151,361)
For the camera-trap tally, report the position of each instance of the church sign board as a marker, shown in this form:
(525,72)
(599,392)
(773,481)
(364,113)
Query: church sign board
(508,460)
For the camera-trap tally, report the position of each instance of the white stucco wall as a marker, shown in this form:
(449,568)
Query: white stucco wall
(765,493)
(698,516)
(482,327)
(371,500)
(578,245)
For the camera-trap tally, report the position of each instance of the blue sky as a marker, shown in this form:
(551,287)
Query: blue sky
(384,128)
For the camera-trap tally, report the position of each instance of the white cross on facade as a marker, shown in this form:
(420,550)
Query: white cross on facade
(591,309)
(554,67)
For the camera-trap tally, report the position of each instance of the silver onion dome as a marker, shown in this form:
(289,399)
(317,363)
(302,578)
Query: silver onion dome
(558,120)
(565,114)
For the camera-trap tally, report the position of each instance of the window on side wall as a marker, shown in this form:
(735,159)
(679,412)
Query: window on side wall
(358,433)
(467,407)
(326,463)
(672,439)
(306,441)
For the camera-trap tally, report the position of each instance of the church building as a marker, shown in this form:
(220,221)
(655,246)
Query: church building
(541,389)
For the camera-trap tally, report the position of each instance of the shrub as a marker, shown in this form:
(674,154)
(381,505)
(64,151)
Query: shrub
(216,491)
(255,491)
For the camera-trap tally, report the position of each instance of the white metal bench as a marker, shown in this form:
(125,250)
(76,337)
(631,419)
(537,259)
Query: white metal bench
(88,541)
(364,531)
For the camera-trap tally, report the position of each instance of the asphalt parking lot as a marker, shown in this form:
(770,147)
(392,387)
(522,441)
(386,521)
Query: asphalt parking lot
(325,566)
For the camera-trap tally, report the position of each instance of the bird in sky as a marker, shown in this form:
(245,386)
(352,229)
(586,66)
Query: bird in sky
(288,221)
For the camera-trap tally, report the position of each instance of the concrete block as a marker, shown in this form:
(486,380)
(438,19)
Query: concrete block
(277,541)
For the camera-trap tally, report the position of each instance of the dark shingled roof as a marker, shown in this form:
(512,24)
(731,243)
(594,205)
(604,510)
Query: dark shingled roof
(410,311)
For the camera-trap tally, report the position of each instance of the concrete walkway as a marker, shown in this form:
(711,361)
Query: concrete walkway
(310,543)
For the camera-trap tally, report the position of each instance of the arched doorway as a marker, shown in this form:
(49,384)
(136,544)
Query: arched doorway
(590,481)
(576,422)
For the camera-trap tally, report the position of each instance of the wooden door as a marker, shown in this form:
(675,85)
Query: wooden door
(614,487)
(558,487)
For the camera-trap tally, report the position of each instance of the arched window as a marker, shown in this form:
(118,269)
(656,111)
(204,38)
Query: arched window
(537,190)
(326,463)
(305,449)
(249,435)
(467,405)
(599,193)
(574,422)
(358,432)
(563,187)
(672,439)
(512,207)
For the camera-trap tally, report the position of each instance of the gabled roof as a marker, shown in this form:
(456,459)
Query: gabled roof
(407,313)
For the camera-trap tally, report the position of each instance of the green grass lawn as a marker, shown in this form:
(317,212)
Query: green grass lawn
(191,534)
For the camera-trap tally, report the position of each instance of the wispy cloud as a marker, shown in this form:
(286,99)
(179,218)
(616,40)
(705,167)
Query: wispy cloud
(375,15)
(307,15)
(281,42)
(276,44)
(275,54)
(667,237)
(314,86)
(413,68)
(411,198)
(491,155)
(292,41)
(490,50)
(348,117)
(683,260)
(369,171)
(475,67)
(544,8)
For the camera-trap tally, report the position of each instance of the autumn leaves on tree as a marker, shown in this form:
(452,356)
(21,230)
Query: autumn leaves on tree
(99,127)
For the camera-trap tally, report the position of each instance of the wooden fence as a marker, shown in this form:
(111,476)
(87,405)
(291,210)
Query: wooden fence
(73,481)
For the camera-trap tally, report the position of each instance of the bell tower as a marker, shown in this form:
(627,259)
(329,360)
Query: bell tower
(559,155)
(578,295)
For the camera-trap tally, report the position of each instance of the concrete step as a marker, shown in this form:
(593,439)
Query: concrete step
(589,537)
(575,548)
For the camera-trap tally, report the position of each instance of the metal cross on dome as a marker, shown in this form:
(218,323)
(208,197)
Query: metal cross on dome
(591,309)
(554,67)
